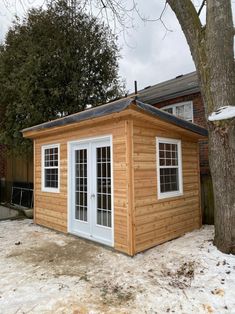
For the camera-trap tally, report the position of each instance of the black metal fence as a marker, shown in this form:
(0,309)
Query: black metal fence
(17,193)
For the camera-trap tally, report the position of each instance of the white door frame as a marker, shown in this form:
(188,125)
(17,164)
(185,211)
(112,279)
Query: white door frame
(70,145)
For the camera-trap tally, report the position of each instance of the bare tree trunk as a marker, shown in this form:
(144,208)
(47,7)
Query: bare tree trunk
(212,50)
(220,59)
(222,151)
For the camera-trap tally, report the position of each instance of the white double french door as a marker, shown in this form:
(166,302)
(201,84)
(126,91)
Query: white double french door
(90,190)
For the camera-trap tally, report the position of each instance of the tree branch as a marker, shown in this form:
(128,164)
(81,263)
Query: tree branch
(190,24)
(201,7)
(220,51)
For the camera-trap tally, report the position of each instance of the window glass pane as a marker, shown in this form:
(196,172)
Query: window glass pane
(169,180)
(161,152)
(99,214)
(188,114)
(169,110)
(179,111)
(51,157)
(162,162)
(168,154)
(168,164)
(51,178)
(184,111)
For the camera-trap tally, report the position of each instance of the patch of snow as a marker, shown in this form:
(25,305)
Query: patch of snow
(223,113)
(43,271)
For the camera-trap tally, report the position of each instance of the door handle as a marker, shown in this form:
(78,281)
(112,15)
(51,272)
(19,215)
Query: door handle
(92,195)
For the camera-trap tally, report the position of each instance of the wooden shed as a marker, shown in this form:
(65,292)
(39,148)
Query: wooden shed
(124,174)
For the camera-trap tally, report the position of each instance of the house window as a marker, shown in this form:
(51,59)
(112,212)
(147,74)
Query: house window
(169,168)
(182,110)
(50,168)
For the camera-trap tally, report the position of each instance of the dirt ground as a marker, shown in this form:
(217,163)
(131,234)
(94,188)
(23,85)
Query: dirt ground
(42,271)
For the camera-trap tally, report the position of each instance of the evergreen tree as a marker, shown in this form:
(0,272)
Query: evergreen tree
(55,62)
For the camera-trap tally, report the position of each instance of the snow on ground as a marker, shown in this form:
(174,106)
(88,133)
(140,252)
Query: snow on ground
(42,271)
(226,112)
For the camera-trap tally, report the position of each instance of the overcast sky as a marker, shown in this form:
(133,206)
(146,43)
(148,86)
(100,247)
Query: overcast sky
(149,55)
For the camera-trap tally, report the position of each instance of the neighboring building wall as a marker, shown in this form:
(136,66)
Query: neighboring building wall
(199,118)
(160,220)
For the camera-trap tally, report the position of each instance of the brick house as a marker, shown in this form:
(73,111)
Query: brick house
(181,96)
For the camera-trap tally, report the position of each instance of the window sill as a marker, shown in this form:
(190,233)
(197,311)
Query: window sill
(170,195)
(50,190)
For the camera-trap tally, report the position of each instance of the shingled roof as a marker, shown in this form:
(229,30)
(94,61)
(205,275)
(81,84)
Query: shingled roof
(115,107)
(182,85)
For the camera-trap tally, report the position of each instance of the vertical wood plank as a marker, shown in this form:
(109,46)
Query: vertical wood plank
(130,186)
(199,186)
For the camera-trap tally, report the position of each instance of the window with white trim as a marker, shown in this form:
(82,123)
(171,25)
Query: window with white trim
(182,110)
(50,168)
(169,167)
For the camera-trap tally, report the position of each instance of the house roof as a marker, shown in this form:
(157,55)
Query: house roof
(182,85)
(115,107)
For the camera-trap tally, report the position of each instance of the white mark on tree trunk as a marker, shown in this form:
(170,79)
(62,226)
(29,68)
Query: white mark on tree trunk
(223,113)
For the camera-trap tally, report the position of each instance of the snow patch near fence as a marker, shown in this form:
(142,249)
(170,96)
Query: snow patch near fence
(223,113)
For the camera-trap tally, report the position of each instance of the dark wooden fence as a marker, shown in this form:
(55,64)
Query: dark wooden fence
(207,200)
(19,171)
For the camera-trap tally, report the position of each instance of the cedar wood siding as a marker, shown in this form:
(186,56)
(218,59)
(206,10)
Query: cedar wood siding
(157,221)
(141,220)
(51,208)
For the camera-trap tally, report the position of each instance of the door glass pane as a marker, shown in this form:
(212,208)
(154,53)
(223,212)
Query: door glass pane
(81,184)
(103,161)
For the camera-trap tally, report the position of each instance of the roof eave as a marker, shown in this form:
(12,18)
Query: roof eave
(169,118)
(31,134)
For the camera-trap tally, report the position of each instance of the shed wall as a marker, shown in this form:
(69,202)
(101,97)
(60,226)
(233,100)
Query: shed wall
(157,221)
(51,208)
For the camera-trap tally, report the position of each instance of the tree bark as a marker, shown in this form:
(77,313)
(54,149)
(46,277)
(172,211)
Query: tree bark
(212,51)
(220,60)
(222,164)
